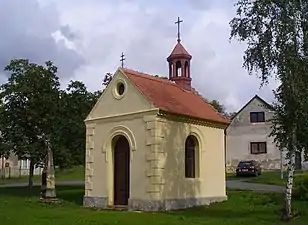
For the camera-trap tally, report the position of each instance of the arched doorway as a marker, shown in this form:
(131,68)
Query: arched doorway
(121,163)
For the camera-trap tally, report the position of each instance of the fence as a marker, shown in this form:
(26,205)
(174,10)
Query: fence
(14,172)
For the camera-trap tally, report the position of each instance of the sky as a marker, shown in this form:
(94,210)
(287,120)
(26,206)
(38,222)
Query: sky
(85,39)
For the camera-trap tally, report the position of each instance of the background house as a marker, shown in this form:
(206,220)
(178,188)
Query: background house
(248,136)
(14,167)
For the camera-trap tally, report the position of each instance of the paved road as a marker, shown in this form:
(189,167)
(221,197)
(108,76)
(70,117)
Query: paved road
(242,185)
(68,183)
(235,184)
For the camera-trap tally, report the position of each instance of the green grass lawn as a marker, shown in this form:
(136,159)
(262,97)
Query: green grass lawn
(20,206)
(275,179)
(75,173)
(269,177)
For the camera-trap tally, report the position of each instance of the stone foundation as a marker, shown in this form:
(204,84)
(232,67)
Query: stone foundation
(156,205)
(171,204)
(95,202)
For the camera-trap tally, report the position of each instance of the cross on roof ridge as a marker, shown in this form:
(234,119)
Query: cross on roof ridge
(122,59)
(178,24)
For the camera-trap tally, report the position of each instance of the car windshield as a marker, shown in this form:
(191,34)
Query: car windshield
(243,164)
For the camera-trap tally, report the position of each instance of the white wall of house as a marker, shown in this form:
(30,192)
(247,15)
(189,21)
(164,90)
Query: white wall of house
(16,168)
(244,134)
(24,166)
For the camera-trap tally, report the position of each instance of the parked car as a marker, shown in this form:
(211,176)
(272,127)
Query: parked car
(248,167)
(305,165)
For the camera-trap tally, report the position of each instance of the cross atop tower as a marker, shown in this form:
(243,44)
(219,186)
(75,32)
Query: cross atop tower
(122,59)
(178,24)
(179,63)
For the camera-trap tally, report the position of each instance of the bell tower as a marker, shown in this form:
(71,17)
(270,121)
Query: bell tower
(179,63)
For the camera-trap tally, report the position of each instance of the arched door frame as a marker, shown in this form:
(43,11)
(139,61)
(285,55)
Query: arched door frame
(107,151)
(121,170)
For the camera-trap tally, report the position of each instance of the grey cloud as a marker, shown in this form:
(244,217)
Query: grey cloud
(26,30)
(67,32)
(199,4)
(147,38)
(208,4)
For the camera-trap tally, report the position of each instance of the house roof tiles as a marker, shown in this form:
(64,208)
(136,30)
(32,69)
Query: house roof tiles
(170,97)
(179,51)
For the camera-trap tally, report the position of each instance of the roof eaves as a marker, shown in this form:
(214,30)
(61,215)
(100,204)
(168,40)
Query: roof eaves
(143,94)
(162,112)
(254,97)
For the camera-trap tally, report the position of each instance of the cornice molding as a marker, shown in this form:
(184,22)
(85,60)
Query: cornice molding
(191,120)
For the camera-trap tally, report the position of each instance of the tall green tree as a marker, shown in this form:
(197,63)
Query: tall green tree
(76,103)
(30,108)
(276,33)
(74,109)
(93,97)
(4,144)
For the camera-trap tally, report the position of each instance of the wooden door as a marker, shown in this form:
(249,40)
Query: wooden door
(121,171)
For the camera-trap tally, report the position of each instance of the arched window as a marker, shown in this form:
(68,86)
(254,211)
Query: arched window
(171,69)
(178,66)
(191,157)
(186,69)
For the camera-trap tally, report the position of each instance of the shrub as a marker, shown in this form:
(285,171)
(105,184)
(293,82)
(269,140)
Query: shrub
(301,187)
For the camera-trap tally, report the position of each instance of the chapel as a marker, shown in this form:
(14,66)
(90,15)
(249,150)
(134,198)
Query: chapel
(154,144)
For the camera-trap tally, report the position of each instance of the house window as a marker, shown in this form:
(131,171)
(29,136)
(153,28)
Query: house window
(191,157)
(257,117)
(258,148)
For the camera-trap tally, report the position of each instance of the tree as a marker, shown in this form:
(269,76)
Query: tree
(76,103)
(231,114)
(107,78)
(93,97)
(31,98)
(162,77)
(219,107)
(276,33)
(4,144)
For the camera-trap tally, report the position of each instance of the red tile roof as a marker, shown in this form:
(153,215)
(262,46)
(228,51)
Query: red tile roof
(170,97)
(179,50)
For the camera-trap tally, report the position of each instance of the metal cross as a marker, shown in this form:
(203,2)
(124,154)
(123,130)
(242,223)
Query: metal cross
(178,23)
(122,59)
